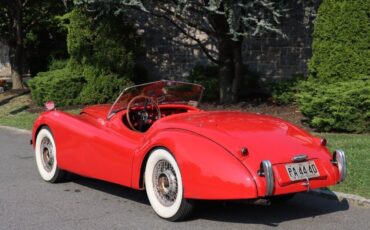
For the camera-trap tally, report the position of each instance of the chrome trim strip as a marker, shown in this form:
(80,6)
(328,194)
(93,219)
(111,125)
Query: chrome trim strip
(339,158)
(266,166)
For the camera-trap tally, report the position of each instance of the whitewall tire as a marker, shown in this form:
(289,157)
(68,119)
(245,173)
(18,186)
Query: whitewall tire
(163,184)
(46,160)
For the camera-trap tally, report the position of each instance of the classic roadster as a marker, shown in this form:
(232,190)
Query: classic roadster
(155,138)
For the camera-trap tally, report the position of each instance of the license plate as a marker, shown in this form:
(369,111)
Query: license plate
(299,171)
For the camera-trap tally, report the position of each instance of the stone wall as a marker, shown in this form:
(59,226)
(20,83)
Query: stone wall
(4,61)
(273,57)
(169,55)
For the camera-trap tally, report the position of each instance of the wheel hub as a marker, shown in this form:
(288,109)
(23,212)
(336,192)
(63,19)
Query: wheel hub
(165,183)
(47,154)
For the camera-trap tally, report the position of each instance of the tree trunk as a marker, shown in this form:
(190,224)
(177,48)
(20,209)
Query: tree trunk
(231,66)
(226,69)
(17,63)
(238,68)
(229,59)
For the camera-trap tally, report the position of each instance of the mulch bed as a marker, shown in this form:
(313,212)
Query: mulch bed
(290,113)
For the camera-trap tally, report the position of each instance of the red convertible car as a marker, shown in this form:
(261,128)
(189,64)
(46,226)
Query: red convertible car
(155,138)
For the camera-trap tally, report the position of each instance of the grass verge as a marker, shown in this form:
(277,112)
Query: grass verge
(357,148)
(14,112)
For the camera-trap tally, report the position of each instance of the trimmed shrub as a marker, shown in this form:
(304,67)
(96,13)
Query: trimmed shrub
(284,91)
(341,41)
(336,96)
(104,41)
(57,64)
(102,52)
(101,87)
(206,75)
(341,106)
(60,86)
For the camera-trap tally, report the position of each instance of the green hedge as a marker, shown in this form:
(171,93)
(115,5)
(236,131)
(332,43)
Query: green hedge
(102,53)
(101,87)
(336,96)
(341,106)
(284,91)
(341,41)
(103,41)
(60,85)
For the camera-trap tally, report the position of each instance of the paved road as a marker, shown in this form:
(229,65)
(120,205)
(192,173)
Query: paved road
(26,202)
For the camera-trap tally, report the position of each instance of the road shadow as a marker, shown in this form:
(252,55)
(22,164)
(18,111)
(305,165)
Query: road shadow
(112,189)
(303,205)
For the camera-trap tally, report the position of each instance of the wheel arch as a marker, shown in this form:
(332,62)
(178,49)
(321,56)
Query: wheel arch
(145,160)
(37,129)
(198,168)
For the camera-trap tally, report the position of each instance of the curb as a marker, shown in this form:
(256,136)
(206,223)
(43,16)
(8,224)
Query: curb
(352,199)
(24,131)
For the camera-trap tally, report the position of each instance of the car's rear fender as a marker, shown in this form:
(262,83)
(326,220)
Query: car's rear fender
(208,170)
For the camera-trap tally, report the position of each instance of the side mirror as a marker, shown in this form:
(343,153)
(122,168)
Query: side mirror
(49,106)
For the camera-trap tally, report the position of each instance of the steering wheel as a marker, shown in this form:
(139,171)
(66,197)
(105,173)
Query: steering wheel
(142,119)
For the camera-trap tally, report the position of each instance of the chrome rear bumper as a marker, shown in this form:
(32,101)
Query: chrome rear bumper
(339,159)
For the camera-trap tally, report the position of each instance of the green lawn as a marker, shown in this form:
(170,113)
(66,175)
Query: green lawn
(13,112)
(357,148)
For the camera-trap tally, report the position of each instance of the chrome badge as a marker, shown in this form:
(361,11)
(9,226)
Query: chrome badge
(299,158)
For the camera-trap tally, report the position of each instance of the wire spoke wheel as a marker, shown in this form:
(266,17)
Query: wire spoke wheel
(163,184)
(45,155)
(47,151)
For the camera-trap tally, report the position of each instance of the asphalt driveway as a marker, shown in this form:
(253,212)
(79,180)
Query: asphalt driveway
(26,202)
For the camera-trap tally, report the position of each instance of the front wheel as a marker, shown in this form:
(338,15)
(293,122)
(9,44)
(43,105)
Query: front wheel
(46,157)
(164,187)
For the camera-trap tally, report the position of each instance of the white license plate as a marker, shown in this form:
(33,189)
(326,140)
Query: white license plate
(303,170)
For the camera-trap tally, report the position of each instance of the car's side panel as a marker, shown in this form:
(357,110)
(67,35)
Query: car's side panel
(90,148)
(208,170)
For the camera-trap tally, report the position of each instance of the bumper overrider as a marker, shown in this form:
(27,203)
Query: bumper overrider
(266,171)
(339,160)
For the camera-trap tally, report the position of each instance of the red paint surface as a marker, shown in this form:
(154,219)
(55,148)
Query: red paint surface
(206,145)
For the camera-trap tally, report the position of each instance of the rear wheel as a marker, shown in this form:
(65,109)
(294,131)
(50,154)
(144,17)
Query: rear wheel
(164,186)
(46,160)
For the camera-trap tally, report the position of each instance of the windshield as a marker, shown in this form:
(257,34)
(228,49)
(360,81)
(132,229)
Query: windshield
(163,92)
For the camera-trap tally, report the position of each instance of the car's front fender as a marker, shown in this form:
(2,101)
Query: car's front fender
(208,170)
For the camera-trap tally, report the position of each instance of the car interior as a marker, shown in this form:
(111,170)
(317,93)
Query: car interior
(143,111)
